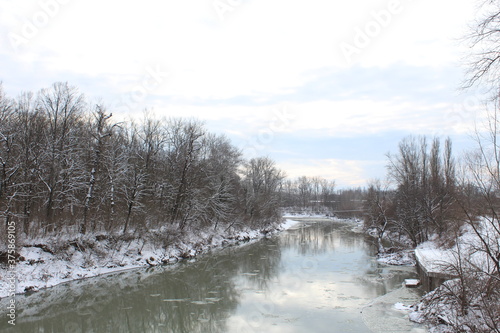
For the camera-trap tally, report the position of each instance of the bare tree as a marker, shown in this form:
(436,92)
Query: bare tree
(484,173)
(185,140)
(262,181)
(483,40)
(290,194)
(426,182)
(473,298)
(8,163)
(133,185)
(380,209)
(61,172)
(65,164)
(304,186)
(327,191)
(99,132)
(31,127)
(308,193)
(217,182)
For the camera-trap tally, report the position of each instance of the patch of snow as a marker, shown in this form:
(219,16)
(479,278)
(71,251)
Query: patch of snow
(401,307)
(289,223)
(440,312)
(442,261)
(398,258)
(442,308)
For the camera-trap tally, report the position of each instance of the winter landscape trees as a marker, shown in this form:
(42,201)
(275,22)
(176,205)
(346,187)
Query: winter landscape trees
(425,179)
(65,164)
(317,195)
(434,202)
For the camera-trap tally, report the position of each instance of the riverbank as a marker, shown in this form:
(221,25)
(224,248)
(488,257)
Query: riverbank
(47,262)
(466,297)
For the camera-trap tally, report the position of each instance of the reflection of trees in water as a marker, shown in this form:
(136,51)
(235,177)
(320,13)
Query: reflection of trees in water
(319,238)
(192,297)
(261,263)
(187,300)
(380,279)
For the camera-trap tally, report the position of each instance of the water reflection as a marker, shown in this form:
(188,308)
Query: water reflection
(318,236)
(313,278)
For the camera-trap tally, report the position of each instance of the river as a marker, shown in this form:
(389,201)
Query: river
(319,276)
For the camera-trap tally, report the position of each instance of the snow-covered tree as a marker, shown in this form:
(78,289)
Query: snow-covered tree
(61,168)
(261,186)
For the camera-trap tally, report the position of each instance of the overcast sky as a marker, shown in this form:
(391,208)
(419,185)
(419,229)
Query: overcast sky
(324,87)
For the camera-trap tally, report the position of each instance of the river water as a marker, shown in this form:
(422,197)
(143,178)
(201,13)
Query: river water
(319,276)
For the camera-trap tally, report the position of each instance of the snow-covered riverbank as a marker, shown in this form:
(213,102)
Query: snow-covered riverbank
(50,261)
(469,301)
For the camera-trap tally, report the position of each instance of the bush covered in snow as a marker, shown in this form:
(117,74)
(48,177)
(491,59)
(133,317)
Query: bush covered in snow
(459,305)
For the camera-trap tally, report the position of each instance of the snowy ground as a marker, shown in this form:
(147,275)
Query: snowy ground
(401,257)
(459,303)
(51,261)
(436,260)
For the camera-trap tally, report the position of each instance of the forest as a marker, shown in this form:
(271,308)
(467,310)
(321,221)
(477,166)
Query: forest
(66,165)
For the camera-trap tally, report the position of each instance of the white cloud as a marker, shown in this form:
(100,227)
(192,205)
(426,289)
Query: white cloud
(261,51)
(345,118)
(346,173)
(420,33)
(261,46)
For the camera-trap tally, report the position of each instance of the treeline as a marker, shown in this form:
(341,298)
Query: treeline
(423,199)
(65,163)
(431,196)
(317,195)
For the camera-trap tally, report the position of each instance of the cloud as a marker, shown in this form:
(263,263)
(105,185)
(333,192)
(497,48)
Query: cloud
(237,72)
(262,47)
(346,173)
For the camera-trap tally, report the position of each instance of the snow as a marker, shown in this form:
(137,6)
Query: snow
(435,261)
(401,307)
(439,261)
(442,308)
(440,311)
(289,223)
(304,215)
(398,258)
(412,282)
